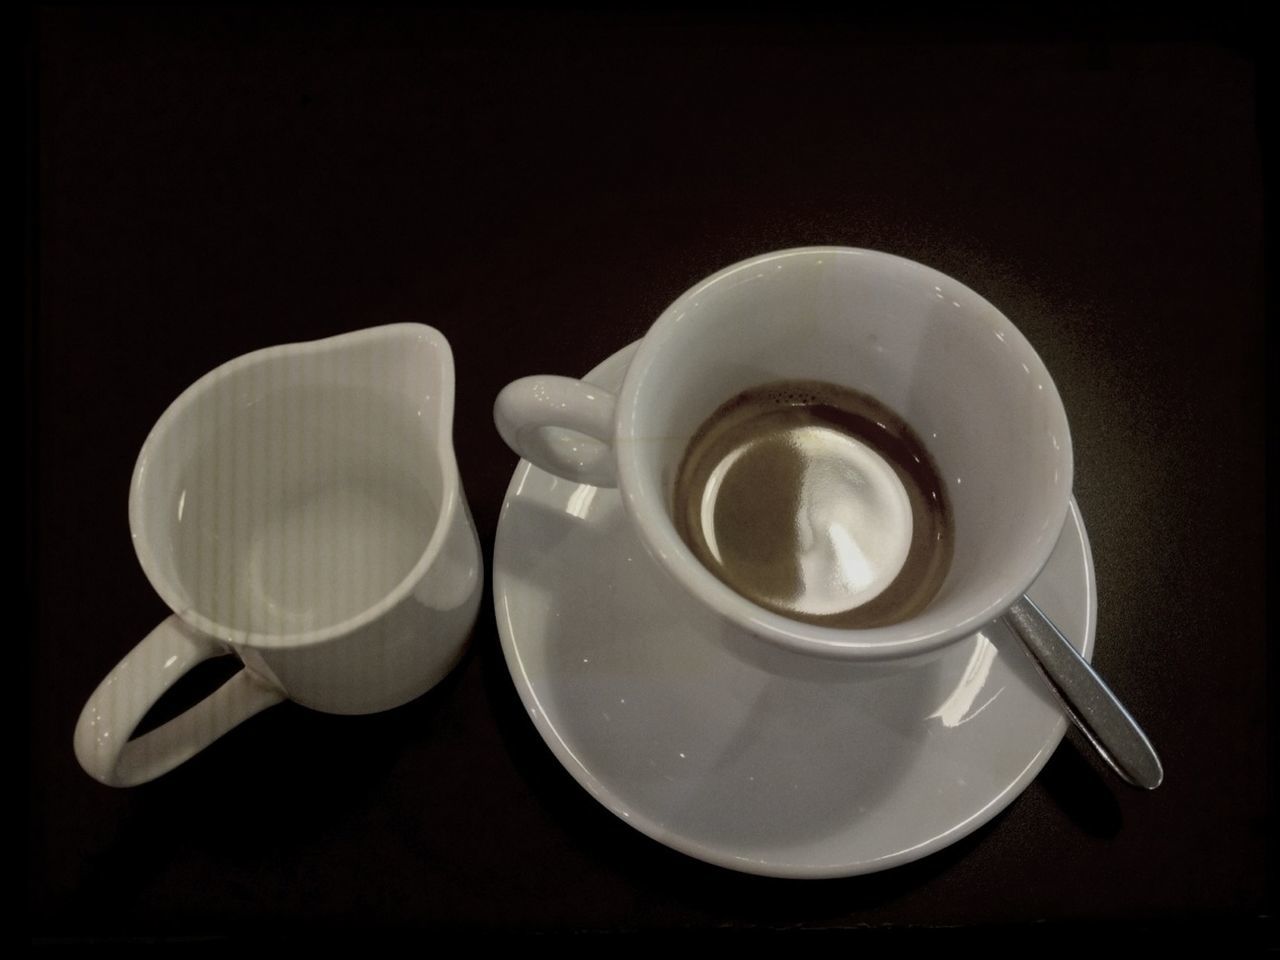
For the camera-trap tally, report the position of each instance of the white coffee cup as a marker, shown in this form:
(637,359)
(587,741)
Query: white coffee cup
(299,507)
(920,342)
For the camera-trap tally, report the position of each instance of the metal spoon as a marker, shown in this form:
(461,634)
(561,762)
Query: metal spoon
(1086,698)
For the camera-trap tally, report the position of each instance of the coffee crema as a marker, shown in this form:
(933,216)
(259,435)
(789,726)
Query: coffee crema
(817,502)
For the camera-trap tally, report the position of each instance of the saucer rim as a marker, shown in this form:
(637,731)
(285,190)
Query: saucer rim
(719,855)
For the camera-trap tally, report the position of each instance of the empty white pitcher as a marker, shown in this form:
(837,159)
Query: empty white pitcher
(300,507)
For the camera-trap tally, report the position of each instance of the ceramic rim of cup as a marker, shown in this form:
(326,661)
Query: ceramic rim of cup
(648,509)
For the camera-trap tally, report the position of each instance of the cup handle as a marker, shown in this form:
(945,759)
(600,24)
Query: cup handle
(121,701)
(563,426)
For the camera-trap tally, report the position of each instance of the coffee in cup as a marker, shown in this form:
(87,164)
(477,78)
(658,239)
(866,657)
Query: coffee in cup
(817,502)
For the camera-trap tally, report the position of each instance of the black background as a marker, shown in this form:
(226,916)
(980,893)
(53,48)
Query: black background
(539,186)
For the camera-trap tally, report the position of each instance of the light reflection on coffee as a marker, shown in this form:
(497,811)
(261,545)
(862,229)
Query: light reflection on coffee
(816,502)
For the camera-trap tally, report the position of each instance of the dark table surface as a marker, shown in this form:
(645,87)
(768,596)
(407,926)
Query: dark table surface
(539,188)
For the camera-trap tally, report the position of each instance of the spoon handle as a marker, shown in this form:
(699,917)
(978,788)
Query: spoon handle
(1087,699)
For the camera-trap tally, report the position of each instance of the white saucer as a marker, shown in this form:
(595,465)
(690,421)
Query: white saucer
(683,727)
